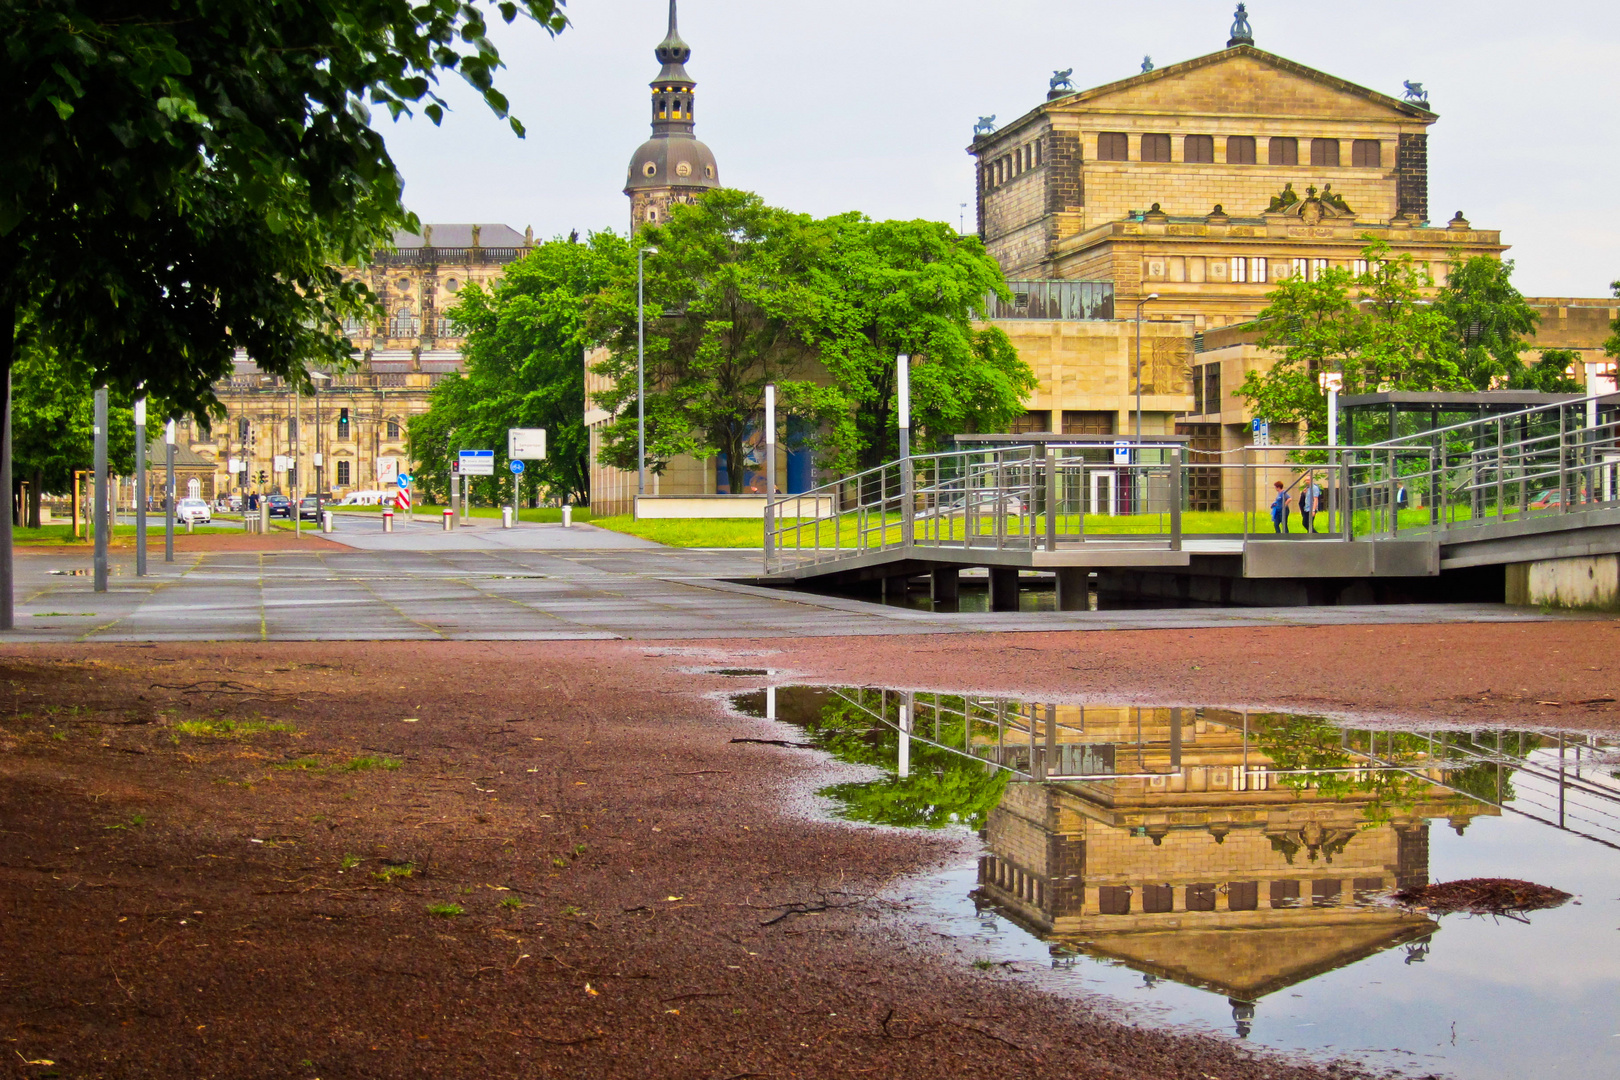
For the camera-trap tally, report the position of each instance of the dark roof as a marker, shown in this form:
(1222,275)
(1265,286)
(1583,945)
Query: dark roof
(184,456)
(460,236)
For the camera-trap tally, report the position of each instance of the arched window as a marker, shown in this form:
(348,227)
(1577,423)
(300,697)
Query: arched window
(1155,148)
(1283,151)
(1325,152)
(1199,149)
(1240,149)
(1113,146)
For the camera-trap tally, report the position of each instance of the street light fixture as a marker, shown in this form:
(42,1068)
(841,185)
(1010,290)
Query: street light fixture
(1139,303)
(641,369)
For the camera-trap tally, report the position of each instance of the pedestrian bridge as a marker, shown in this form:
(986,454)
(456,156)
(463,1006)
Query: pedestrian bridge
(1432,515)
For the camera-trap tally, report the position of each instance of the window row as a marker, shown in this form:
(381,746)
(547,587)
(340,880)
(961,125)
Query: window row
(244,427)
(1013,164)
(1241,270)
(1240,895)
(1240,150)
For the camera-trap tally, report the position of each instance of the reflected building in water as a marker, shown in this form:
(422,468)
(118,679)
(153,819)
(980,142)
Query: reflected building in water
(1191,845)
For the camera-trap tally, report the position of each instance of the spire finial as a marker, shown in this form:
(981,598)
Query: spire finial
(672,50)
(1241,33)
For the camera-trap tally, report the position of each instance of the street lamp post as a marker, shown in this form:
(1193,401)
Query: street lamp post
(641,369)
(1139,303)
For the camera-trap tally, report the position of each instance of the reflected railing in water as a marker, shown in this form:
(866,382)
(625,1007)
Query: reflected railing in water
(1237,852)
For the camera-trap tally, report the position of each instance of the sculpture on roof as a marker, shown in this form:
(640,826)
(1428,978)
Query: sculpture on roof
(1283,200)
(1241,33)
(1415,93)
(1147,64)
(985,126)
(1060,80)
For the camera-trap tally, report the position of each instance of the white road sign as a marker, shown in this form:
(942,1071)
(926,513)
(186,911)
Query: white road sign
(526,444)
(387,470)
(477,462)
(280,463)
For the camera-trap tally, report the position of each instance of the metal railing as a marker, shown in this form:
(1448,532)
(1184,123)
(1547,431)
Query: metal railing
(1545,461)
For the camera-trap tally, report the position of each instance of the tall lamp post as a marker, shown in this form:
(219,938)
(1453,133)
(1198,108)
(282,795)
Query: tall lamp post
(641,369)
(1139,303)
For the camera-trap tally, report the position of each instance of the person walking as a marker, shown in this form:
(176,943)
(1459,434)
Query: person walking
(1310,502)
(1279,509)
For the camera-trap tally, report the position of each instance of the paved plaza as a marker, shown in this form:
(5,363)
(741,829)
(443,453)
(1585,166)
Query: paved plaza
(531,583)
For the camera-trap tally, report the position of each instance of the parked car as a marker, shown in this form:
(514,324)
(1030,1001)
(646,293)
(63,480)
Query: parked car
(1548,500)
(194,511)
(280,506)
(307,510)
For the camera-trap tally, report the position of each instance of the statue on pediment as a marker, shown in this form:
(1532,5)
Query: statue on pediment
(1060,81)
(985,126)
(1283,200)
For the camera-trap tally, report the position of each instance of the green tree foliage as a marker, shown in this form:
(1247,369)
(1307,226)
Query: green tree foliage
(741,294)
(526,341)
(183,174)
(1489,321)
(728,310)
(913,288)
(53,423)
(1374,330)
(1611,347)
(1549,374)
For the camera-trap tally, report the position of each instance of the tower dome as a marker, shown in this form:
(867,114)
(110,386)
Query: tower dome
(672,166)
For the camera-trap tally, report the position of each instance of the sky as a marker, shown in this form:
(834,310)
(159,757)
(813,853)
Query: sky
(869,104)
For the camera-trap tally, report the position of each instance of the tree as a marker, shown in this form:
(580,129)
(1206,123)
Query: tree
(729,310)
(526,340)
(1489,321)
(1611,347)
(913,288)
(1549,374)
(184,174)
(1383,337)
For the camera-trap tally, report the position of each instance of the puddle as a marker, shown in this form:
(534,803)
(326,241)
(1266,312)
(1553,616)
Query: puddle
(734,672)
(1231,871)
(85,571)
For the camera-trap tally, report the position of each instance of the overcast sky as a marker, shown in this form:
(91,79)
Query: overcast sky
(868,104)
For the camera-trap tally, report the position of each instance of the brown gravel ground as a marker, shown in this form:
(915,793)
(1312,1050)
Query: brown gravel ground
(276,541)
(182,905)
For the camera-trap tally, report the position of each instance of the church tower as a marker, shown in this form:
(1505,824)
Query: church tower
(672,166)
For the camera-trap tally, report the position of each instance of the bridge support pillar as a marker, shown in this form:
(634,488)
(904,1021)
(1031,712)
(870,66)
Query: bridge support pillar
(1003,588)
(1073,588)
(894,588)
(944,584)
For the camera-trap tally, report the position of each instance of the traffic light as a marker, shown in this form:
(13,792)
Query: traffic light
(263,476)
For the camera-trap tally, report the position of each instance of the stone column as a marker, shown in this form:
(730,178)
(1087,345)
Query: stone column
(1073,588)
(1003,588)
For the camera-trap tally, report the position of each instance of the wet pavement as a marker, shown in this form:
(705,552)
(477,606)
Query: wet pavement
(1233,871)
(491,593)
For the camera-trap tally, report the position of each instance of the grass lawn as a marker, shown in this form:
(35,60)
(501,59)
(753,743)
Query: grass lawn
(122,535)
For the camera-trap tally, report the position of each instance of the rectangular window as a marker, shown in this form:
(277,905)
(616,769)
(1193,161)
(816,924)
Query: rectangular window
(1325,152)
(1158,899)
(1367,154)
(1198,390)
(1199,149)
(1317,266)
(1033,420)
(1284,894)
(1084,422)
(1037,155)
(1113,146)
(1212,387)
(1325,893)
(1155,148)
(393,429)
(1114,900)
(1257,271)
(1240,149)
(1283,151)
(1240,271)
(343,474)
(1201,898)
(1300,268)
(1243,895)
(1360,266)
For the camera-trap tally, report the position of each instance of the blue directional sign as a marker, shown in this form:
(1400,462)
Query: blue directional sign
(516,467)
(403,480)
(477,462)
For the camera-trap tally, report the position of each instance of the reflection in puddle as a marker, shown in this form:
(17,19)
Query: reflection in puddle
(1234,868)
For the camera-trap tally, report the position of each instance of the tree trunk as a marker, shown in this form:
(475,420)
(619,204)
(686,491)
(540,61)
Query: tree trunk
(35,490)
(734,464)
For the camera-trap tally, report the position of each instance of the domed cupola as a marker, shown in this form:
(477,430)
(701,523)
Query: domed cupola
(672,166)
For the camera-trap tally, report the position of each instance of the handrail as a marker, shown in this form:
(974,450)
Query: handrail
(1496,418)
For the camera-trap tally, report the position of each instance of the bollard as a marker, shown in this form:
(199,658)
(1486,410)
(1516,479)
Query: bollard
(568,517)
(328,521)
(449,519)
(189,524)
(506,517)
(388,521)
